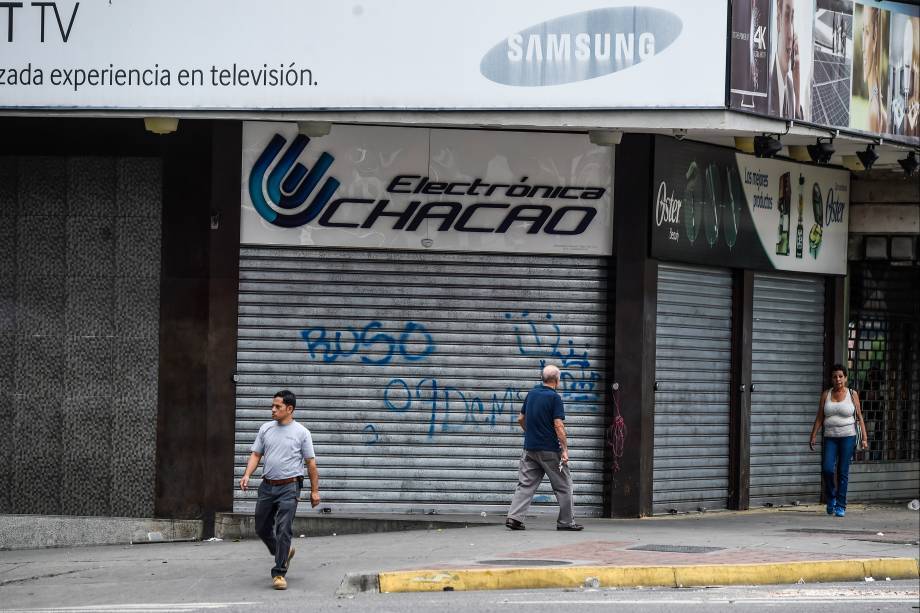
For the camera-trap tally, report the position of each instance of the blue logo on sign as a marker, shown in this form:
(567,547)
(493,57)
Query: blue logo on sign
(289,184)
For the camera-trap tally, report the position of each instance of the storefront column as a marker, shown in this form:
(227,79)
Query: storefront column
(835,321)
(739,472)
(182,397)
(634,346)
(224,283)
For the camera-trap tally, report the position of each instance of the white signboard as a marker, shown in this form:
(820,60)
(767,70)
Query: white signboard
(801,213)
(377,54)
(416,188)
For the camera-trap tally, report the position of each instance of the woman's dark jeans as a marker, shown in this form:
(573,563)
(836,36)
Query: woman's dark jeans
(838,451)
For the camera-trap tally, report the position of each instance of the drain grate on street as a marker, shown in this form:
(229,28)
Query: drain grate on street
(524,562)
(675,548)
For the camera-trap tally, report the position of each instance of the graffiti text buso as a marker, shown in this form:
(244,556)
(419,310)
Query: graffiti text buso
(369,344)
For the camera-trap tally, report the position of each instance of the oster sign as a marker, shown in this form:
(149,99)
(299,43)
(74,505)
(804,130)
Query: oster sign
(426,189)
(717,207)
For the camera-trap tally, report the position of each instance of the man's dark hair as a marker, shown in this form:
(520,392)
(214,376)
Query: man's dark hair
(287,397)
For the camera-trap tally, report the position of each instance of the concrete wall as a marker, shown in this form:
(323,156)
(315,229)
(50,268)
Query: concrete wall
(884,202)
(37,531)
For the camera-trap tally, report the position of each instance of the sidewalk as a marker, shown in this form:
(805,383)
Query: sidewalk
(780,546)
(790,545)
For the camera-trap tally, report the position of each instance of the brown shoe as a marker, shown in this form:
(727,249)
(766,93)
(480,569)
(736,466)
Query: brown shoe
(513,524)
(571,527)
(279,583)
(291,553)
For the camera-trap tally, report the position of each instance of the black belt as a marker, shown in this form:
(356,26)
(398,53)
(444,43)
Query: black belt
(281,481)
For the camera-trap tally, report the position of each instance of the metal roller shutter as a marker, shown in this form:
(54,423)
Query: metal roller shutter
(411,367)
(787,361)
(692,371)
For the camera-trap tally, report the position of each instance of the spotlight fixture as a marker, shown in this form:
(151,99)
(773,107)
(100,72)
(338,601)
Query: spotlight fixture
(822,151)
(867,157)
(766,146)
(909,164)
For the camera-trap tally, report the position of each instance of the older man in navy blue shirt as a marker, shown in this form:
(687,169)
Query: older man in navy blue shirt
(546,452)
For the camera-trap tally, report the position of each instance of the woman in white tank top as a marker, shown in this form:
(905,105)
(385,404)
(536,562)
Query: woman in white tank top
(839,412)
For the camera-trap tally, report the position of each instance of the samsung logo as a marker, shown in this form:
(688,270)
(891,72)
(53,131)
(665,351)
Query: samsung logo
(559,47)
(581,46)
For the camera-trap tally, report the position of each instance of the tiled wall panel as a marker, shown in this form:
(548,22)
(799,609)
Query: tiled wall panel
(79,329)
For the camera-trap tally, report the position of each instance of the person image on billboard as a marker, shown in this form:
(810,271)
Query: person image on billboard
(785,72)
(904,74)
(868,108)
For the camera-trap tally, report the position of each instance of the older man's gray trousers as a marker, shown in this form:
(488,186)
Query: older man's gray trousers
(535,464)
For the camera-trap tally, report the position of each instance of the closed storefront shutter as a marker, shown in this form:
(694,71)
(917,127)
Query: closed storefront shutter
(884,363)
(692,371)
(410,369)
(787,360)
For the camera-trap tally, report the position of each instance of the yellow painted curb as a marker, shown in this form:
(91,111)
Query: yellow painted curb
(647,576)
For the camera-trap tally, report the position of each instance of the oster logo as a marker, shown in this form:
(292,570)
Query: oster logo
(281,197)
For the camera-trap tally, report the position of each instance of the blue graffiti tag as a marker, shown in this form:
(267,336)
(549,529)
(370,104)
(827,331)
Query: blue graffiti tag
(399,396)
(372,433)
(578,382)
(331,346)
(450,408)
(537,344)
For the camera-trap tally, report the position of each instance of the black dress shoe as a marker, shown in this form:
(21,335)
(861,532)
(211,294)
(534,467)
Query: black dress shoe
(571,527)
(513,524)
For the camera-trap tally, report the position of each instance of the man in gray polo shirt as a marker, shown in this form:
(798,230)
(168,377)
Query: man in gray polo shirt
(285,445)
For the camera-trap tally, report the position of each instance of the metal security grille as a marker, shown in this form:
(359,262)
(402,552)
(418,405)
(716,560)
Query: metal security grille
(884,357)
(411,367)
(788,373)
(692,371)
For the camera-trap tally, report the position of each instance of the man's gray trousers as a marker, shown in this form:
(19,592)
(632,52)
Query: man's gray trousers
(535,464)
(275,520)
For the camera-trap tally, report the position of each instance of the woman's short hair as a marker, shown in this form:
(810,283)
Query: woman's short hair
(839,367)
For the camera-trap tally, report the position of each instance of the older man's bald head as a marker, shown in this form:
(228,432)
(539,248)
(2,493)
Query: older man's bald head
(550,374)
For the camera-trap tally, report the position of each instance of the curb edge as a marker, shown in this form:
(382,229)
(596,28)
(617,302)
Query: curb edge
(820,571)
